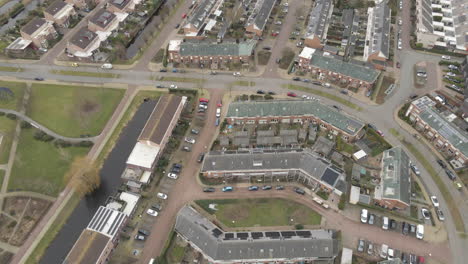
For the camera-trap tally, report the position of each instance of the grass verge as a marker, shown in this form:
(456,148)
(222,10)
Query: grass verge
(87,74)
(182,79)
(323,94)
(244,83)
(2,174)
(7,130)
(261,212)
(53,230)
(41,166)
(18,91)
(11,69)
(73,110)
(456,216)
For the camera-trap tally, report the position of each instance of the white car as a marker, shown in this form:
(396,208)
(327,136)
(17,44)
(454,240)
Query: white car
(152,212)
(383,252)
(236,74)
(451,74)
(445,57)
(190,140)
(434,201)
(364,215)
(173,86)
(391,254)
(172,176)
(420,232)
(425,213)
(162,196)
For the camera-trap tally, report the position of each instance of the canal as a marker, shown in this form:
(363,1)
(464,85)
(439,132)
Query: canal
(110,182)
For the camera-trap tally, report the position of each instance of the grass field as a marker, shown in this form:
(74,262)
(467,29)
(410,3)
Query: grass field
(40,166)
(323,94)
(452,206)
(182,79)
(7,129)
(244,83)
(261,212)
(10,69)
(73,110)
(87,74)
(2,174)
(18,91)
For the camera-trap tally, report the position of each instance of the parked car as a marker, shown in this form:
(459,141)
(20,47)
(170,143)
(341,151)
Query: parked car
(415,170)
(344,91)
(371,219)
(421,260)
(451,74)
(144,232)
(190,140)
(306,80)
(38,79)
(299,190)
(152,212)
(161,196)
(296,79)
(177,26)
(172,175)
(159,86)
(445,57)
(271,93)
(186,148)
(405,228)
(390,254)
(317,83)
(453,67)
(450,174)
(173,86)
(139,237)
(260,92)
(393,224)
(384,251)
(291,94)
(200,157)
(156,207)
(425,213)
(227,189)
(435,201)
(267,48)
(380,133)
(442,163)
(419,233)
(404,258)
(162,70)
(360,247)
(412,229)
(385,223)
(208,189)
(253,188)
(364,215)
(279,187)
(266,187)
(195,131)
(398,65)
(370,249)
(440,215)
(412,259)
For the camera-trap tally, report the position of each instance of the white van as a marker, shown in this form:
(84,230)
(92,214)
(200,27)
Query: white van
(391,254)
(218,112)
(364,215)
(385,223)
(420,232)
(106,66)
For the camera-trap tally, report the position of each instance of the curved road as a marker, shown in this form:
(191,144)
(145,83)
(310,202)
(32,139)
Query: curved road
(45,129)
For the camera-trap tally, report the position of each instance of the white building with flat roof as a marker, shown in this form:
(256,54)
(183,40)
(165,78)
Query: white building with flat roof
(143,156)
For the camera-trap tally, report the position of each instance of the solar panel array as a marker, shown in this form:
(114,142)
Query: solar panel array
(265,235)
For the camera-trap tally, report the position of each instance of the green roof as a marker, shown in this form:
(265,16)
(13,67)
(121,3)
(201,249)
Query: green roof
(204,48)
(457,137)
(395,182)
(349,69)
(296,108)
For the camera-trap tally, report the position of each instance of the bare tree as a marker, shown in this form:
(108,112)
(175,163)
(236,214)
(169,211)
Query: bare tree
(84,175)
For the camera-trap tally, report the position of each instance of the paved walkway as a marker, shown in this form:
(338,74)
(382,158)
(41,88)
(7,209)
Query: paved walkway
(29,194)
(44,129)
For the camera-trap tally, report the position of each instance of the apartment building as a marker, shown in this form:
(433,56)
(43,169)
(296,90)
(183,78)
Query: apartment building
(330,67)
(275,246)
(83,44)
(296,111)
(39,31)
(198,19)
(394,191)
(442,23)
(59,13)
(438,127)
(317,27)
(99,239)
(259,17)
(377,45)
(209,53)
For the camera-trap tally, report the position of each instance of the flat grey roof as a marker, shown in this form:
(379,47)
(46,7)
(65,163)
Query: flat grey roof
(261,13)
(272,160)
(285,108)
(396,177)
(244,246)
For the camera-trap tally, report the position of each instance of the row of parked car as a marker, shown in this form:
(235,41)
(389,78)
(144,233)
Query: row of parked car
(255,188)
(391,224)
(385,252)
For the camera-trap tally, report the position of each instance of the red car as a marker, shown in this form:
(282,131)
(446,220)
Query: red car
(184,15)
(291,94)
(274,34)
(203,100)
(398,65)
(220,104)
(380,133)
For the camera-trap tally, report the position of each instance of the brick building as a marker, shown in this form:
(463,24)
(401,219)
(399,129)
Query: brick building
(394,191)
(121,6)
(333,68)
(439,128)
(317,27)
(210,53)
(296,111)
(83,44)
(259,17)
(377,44)
(39,31)
(59,13)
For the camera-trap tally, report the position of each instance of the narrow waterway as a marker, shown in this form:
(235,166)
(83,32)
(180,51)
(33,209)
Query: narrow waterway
(23,14)
(110,182)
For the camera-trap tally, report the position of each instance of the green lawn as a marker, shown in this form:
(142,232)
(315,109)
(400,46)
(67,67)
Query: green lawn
(377,143)
(2,174)
(73,110)
(7,129)
(244,83)
(10,69)
(182,79)
(18,91)
(261,212)
(87,74)
(323,94)
(40,166)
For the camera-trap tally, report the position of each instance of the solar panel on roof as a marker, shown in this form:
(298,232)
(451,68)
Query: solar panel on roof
(242,235)
(217,232)
(288,233)
(229,235)
(330,176)
(256,235)
(272,234)
(303,233)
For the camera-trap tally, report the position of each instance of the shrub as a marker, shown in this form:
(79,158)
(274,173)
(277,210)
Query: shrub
(25,124)
(342,203)
(62,143)
(85,143)
(299,226)
(11,116)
